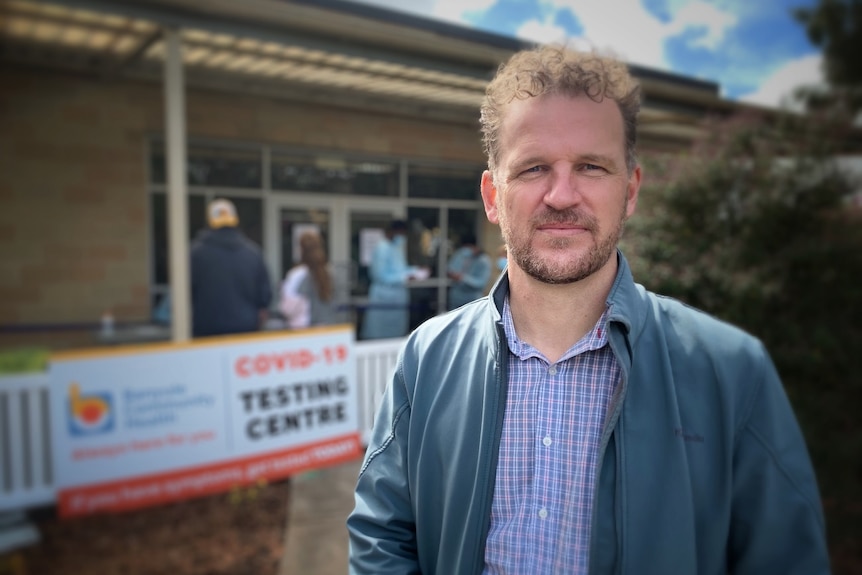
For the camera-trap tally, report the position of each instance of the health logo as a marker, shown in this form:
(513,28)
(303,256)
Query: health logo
(91,413)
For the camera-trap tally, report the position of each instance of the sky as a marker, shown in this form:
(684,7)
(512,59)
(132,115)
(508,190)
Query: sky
(753,49)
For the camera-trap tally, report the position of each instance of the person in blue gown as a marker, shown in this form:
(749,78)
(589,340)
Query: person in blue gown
(469,269)
(388,312)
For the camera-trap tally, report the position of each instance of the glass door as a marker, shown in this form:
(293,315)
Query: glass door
(287,218)
(348,227)
(435,232)
(293,223)
(367,225)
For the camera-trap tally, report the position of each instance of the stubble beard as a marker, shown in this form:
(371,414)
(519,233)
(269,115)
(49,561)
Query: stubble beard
(580,265)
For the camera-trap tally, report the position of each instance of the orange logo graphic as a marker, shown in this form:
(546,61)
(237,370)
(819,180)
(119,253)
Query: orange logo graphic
(90,413)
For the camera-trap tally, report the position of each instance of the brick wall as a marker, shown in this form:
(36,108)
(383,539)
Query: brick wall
(74,223)
(250,119)
(74,216)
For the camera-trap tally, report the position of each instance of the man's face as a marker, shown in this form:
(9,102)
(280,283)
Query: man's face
(562,192)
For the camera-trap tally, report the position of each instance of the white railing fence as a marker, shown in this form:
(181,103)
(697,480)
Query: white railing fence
(375,363)
(26,474)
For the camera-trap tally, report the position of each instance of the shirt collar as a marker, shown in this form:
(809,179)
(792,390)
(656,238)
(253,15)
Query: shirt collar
(595,339)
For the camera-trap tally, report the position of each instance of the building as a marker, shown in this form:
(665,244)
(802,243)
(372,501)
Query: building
(303,112)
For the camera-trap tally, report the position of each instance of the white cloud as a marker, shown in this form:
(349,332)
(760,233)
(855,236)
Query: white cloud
(454,10)
(638,37)
(627,30)
(700,15)
(777,90)
(542,32)
(622,27)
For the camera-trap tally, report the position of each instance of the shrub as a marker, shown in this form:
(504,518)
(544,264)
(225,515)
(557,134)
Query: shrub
(755,225)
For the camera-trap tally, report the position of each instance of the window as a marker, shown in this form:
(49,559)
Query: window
(424,238)
(333,175)
(213,166)
(444,182)
(423,248)
(461,224)
(355,192)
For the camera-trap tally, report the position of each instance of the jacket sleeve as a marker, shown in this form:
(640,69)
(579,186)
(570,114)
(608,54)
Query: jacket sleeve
(194,271)
(777,518)
(381,527)
(264,287)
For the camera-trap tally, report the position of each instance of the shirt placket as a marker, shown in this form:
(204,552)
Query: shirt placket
(546,505)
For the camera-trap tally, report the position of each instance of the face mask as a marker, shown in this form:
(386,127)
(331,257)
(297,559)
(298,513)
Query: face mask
(501,263)
(398,241)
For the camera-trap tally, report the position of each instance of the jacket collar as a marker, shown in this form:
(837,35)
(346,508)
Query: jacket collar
(499,291)
(624,298)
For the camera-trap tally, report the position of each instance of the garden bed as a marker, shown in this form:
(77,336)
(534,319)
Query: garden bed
(228,534)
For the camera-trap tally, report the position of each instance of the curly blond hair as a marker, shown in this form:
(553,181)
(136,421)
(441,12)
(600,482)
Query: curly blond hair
(555,69)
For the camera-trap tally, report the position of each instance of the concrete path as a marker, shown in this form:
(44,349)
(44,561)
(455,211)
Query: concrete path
(320,502)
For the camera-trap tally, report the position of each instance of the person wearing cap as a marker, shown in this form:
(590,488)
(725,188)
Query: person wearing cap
(469,269)
(229,280)
(388,297)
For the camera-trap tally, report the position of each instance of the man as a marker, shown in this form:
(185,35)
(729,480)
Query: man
(571,421)
(388,297)
(469,269)
(230,284)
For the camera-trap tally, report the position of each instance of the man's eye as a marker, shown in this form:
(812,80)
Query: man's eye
(533,170)
(593,169)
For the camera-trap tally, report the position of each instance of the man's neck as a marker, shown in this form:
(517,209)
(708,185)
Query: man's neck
(552,318)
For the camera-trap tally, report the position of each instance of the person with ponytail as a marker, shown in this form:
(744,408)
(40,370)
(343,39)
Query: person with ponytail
(308,290)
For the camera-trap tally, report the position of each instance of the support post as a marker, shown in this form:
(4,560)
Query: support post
(177,204)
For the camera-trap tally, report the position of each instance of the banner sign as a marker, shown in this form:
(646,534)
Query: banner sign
(145,425)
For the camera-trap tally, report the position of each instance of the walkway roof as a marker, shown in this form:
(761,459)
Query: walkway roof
(326,51)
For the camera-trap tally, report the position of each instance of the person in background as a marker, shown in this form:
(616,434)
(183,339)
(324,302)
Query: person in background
(573,421)
(502,258)
(469,269)
(388,297)
(500,263)
(230,285)
(308,291)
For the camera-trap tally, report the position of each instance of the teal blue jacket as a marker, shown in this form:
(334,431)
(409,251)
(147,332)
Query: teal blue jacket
(704,470)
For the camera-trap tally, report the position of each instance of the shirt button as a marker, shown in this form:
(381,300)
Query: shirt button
(547,441)
(552,370)
(543,513)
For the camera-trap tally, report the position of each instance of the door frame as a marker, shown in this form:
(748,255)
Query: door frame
(340,209)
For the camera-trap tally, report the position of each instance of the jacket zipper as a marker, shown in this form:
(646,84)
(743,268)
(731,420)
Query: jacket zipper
(610,423)
(492,455)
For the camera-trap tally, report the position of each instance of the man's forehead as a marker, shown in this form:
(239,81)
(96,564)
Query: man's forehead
(517,116)
(543,99)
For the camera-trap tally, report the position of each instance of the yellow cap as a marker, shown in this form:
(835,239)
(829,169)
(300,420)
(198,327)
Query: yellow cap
(222,213)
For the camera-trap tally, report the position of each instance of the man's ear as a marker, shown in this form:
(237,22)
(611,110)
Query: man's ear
(489,197)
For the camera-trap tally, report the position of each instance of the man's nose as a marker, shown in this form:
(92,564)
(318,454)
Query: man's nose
(563,190)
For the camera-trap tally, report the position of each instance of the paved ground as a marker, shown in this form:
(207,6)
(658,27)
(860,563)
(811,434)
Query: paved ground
(316,535)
